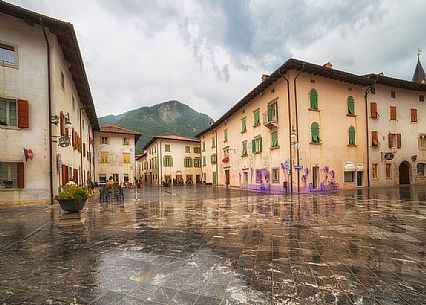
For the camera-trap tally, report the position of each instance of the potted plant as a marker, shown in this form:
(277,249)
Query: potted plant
(72,198)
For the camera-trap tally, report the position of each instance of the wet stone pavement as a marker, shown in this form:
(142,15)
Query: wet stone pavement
(205,245)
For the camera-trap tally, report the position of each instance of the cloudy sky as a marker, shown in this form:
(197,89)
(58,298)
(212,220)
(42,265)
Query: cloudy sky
(210,53)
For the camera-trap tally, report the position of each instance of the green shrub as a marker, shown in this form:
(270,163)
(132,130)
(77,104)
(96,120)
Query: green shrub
(78,193)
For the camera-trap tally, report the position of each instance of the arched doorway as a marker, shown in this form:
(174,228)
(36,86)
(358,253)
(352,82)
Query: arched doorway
(404,173)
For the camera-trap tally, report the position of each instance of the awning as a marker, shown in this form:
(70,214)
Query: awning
(360,167)
(349,167)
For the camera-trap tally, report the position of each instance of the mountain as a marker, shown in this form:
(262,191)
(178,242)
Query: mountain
(170,117)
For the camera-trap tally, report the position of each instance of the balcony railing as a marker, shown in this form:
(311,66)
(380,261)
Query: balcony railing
(270,119)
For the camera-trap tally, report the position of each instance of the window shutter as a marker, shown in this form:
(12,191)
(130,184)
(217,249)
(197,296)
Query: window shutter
(375,138)
(392,112)
(62,123)
(260,144)
(313,99)
(269,113)
(351,105)
(171,161)
(64,174)
(373,110)
(108,140)
(21,175)
(390,140)
(413,115)
(253,146)
(190,162)
(73,137)
(23,121)
(398,140)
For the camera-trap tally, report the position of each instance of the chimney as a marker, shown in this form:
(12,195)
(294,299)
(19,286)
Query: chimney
(381,74)
(264,77)
(328,65)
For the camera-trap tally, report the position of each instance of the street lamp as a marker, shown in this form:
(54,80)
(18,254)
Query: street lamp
(64,140)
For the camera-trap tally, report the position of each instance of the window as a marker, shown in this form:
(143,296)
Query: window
(315,136)
(126,158)
(11,175)
(187,149)
(258,176)
(256,145)
(256,114)
(204,161)
(104,140)
(204,146)
(393,94)
(126,141)
(422,141)
(421,169)
(167,147)
(213,142)
(187,162)
(349,177)
(413,115)
(168,161)
(102,178)
(274,138)
(421,98)
(244,151)
(373,90)
(197,162)
(313,98)
(388,171)
(351,132)
(392,113)
(225,135)
(115,177)
(62,81)
(243,125)
(8,112)
(276,175)
(197,150)
(273,112)
(126,178)
(375,170)
(394,140)
(351,105)
(375,138)
(373,110)
(213,159)
(8,55)
(104,157)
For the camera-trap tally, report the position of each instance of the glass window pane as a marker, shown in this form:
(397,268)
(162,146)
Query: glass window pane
(12,114)
(7,54)
(3,116)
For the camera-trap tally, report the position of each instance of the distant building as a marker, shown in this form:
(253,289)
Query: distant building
(115,154)
(43,88)
(171,158)
(308,128)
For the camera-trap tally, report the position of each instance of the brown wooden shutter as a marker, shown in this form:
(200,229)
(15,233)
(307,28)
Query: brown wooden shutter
(23,121)
(398,140)
(21,175)
(373,110)
(84,149)
(413,115)
(73,137)
(75,175)
(390,140)
(392,112)
(62,123)
(64,174)
(375,138)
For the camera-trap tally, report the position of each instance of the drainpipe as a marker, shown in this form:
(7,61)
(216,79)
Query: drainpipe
(297,125)
(217,160)
(50,112)
(81,152)
(367,91)
(160,178)
(289,130)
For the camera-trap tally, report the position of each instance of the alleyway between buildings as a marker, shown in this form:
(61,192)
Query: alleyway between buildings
(205,245)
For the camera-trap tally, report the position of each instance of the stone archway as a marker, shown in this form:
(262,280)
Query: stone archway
(404,172)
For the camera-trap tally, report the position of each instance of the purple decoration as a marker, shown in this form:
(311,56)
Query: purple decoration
(332,174)
(325,168)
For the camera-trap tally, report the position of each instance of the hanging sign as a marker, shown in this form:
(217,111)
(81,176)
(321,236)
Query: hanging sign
(389,156)
(298,167)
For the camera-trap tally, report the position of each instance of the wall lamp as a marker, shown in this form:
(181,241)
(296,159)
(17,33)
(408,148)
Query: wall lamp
(54,119)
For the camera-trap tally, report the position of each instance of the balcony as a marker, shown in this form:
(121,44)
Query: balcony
(270,119)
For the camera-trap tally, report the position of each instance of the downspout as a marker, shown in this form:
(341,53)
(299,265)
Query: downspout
(217,160)
(90,161)
(50,112)
(289,130)
(81,152)
(160,178)
(297,126)
(92,157)
(367,91)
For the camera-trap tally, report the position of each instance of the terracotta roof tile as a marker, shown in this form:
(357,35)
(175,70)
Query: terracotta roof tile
(121,130)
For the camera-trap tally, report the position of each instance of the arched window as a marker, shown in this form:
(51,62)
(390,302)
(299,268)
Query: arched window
(351,135)
(313,97)
(315,137)
(421,169)
(351,105)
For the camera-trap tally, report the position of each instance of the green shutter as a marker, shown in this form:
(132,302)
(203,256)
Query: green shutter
(274,135)
(313,95)
(171,162)
(244,149)
(351,135)
(253,146)
(351,105)
(164,161)
(257,117)
(243,125)
(190,162)
(315,132)
(204,160)
(204,146)
(270,113)
(225,135)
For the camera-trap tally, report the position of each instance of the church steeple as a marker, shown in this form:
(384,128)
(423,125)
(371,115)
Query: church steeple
(419,74)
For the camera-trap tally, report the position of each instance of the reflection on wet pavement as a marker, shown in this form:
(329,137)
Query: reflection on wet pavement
(205,245)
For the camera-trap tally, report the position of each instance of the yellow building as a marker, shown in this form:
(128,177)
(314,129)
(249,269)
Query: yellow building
(302,129)
(171,158)
(115,154)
